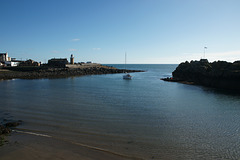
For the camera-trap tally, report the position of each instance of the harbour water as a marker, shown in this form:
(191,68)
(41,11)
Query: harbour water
(142,118)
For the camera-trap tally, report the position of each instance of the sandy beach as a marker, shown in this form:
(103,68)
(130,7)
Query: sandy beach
(23,146)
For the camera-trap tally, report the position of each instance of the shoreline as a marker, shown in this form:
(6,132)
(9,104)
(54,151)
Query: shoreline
(20,143)
(54,72)
(25,146)
(179,81)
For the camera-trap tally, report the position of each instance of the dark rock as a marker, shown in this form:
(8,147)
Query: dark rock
(218,74)
(12,124)
(4,130)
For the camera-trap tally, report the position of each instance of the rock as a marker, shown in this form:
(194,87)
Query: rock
(218,74)
(12,124)
(4,130)
(1,129)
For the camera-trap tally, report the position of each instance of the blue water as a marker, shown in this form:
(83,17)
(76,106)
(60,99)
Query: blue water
(143,117)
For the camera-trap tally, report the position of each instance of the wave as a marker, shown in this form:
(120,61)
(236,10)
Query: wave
(32,133)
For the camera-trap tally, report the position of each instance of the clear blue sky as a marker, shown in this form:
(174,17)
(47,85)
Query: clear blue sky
(150,31)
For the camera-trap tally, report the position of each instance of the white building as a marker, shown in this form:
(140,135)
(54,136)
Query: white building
(12,64)
(7,61)
(4,57)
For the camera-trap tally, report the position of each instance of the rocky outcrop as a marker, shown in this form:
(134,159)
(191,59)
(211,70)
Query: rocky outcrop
(6,129)
(218,74)
(49,72)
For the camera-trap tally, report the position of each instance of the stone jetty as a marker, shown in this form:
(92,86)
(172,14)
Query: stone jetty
(56,72)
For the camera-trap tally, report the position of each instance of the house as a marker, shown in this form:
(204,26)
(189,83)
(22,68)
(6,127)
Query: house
(29,62)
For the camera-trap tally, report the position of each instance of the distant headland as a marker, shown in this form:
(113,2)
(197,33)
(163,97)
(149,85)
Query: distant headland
(218,74)
(55,68)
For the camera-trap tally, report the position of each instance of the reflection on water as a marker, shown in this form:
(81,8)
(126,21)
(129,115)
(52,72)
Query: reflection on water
(144,117)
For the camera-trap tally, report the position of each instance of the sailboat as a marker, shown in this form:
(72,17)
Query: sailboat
(127,75)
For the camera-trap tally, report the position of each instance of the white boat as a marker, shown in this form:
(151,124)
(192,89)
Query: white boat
(127,75)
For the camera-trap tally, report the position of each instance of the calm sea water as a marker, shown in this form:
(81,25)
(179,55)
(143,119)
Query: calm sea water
(143,117)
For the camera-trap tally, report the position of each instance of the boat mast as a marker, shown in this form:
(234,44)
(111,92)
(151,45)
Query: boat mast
(125,60)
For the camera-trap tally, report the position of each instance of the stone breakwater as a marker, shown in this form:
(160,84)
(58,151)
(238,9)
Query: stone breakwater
(48,72)
(220,74)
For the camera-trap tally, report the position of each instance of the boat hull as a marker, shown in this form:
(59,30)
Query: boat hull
(127,76)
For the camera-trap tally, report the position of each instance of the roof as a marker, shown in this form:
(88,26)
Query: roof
(58,59)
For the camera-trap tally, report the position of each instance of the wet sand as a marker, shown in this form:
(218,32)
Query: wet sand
(28,147)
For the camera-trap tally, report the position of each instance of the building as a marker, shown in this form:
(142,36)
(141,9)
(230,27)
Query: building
(71,59)
(58,62)
(4,57)
(29,62)
(11,63)
(7,61)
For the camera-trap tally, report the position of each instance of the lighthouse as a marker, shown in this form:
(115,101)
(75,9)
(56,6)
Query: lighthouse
(71,59)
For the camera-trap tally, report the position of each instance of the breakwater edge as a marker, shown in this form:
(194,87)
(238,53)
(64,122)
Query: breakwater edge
(58,72)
